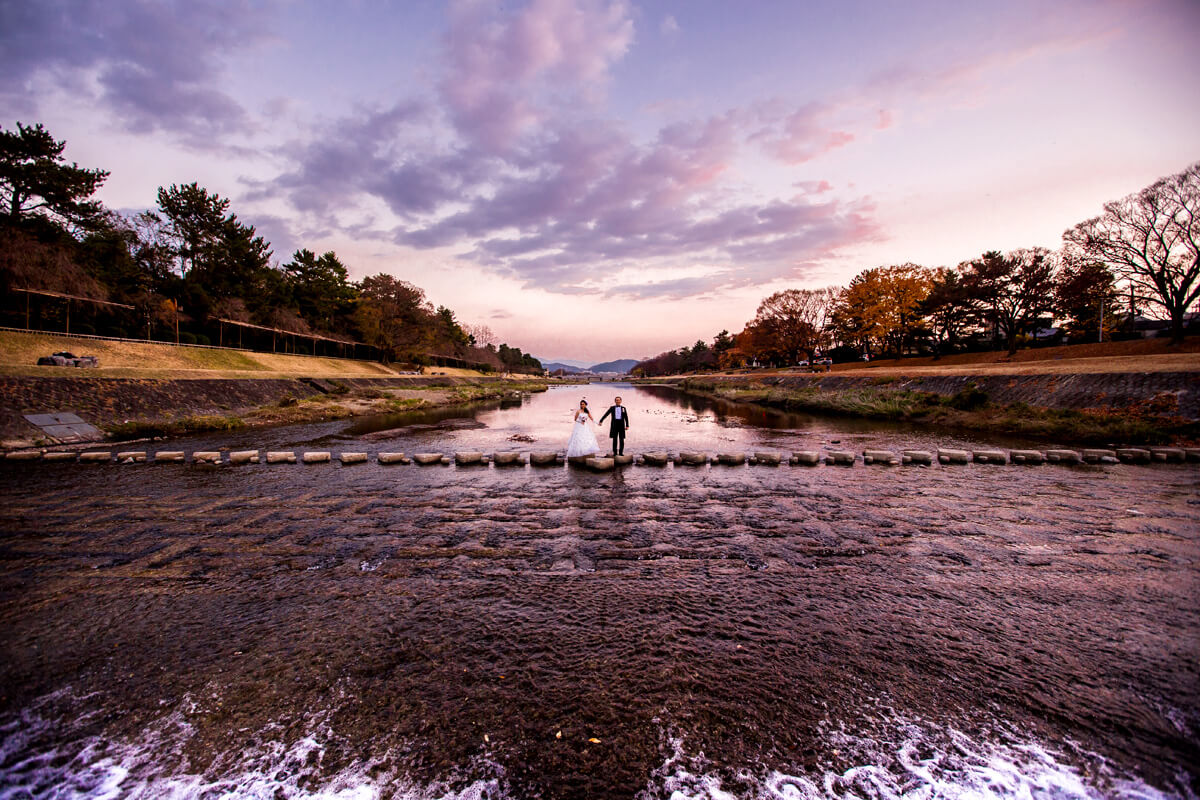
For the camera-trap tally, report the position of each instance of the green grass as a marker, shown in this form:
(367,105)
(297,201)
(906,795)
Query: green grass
(968,409)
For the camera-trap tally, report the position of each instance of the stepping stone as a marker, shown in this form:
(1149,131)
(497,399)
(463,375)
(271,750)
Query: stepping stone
(991,457)
(768,459)
(692,459)
(1031,457)
(24,455)
(317,457)
(131,456)
(446,461)
(506,459)
(842,458)
(921,458)
(392,458)
(467,459)
(95,457)
(655,459)
(1134,455)
(426,459)
(885,457)
(281,457)
(206,457)
(601,464)
(61,456)
(243,457)
(168,457)
(1192,453)
(353,458)
(543,459)
(807,458)
(1063,457)
(954,456)
(1096,456)
(1169,455)
(622,461)
(731,459)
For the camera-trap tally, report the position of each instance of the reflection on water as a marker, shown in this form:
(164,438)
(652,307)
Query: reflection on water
(403,632)
(661,418)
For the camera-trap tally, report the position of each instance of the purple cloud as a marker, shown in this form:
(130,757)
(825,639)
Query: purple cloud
(155,63)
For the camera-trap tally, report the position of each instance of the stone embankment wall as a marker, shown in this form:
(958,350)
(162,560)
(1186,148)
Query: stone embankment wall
(107,400)
(1074,391)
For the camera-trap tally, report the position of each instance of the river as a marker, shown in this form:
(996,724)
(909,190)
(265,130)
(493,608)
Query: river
(366,631)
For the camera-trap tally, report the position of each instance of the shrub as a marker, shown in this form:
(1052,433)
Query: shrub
(187,338)
(202,339)
(968,398)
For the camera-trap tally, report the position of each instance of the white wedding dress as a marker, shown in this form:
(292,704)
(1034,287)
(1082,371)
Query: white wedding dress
(583,441)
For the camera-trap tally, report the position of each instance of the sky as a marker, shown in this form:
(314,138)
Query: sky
(600,179)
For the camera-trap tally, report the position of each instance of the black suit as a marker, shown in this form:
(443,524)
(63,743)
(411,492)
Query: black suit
(616,428)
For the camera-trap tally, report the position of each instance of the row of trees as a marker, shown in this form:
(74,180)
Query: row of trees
(1142,253)
(192,260)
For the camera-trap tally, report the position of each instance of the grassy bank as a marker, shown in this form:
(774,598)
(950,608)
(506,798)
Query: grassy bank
(289,410)
(968,409)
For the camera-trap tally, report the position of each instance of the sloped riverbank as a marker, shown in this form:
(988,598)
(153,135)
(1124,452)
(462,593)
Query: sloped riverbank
(1128,408)
(131,407)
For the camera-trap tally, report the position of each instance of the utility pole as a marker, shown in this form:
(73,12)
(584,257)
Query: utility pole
(1101,336)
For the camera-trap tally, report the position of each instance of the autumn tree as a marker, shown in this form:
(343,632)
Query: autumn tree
(1152,241)
(36,182)
(881,307)
(789,325)
(1012,289)
(393,315)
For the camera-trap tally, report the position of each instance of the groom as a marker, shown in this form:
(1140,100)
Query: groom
(616,428)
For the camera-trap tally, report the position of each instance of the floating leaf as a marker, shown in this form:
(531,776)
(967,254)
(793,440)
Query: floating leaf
(594,740)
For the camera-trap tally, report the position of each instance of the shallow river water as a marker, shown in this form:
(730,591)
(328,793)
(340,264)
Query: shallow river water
(374,631)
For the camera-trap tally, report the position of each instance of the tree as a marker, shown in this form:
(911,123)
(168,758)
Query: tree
(790,324)
(318,286)
(881,307)
(35,181)
(1086,297)
(194,222)
(1013,289)
(948,307)
(1152,241)
(393,315)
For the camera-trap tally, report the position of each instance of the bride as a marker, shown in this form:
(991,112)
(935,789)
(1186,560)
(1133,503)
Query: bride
(582,441)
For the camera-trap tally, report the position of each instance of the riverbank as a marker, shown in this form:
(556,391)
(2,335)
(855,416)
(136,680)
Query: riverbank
(132,408)
(1092,408)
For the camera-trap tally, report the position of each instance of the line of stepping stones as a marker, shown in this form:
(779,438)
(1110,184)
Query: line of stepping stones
(1129,455)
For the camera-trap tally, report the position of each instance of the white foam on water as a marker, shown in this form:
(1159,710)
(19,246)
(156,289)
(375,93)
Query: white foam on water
(913,761)
(95,769)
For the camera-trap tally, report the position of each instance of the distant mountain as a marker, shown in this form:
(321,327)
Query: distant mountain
(621,365)
(554,366)
(566,362)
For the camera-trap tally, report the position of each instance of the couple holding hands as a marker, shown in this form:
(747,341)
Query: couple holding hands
(583,441)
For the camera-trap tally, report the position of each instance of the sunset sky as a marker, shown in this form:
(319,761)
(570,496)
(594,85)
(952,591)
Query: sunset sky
(598,180)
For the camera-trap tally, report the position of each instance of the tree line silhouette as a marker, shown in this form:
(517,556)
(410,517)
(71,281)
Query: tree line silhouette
(189,270)
(1141,255)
